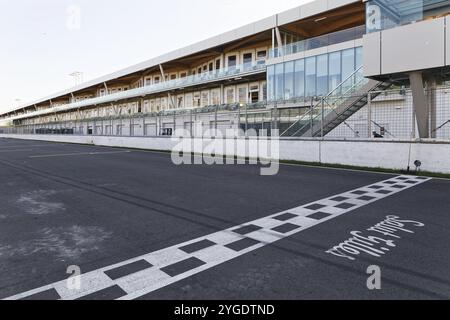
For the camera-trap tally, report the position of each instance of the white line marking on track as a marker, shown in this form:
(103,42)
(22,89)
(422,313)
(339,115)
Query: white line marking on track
(27,146)
(15,150)
(206,252)
(78,154)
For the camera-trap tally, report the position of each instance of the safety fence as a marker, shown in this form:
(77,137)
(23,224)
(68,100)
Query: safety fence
(385,114)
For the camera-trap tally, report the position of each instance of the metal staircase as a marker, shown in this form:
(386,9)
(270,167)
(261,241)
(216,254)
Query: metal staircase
(336,107)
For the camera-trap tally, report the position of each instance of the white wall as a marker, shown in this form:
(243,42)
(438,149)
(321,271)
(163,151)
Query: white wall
(386,154)
(407,48)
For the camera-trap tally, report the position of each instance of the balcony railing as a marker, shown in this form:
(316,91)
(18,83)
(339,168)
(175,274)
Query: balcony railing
(319,42)
(212,76)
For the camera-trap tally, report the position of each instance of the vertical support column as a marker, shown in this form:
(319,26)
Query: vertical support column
(322,117)
(161,124)
(273,39)
(222,94)
(144,128)
(279,41)
(311,107)
(222,61)
(276,118)
(174,122)
(369,115)
(432,103)
(120,125)
(131,126)
(421,108)
(246,120)
(157,124)
(190,121)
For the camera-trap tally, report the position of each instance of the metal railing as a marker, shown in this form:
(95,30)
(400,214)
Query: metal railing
(211,76)
(318,42)
(388,114)
(317,112)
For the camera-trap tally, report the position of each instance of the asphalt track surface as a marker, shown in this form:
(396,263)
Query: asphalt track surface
(141,227)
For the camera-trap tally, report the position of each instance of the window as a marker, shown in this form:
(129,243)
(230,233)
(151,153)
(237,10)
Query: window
(217,64)
(197,99)
(261,57)
(156,80)
(386,14)
(334,61)
(180,102)
(271,83)
(205,98)
(163,103)
(322,75)
(248,60)
(153,106)
(264,91)
(310,77)
(288,80)
(199,71)
(254,93)
(242,94)
(215,97)
(359,57)
(230,95)
(211,66)
(232,61)
(348,63)
(189,100)
(279,81)
(299,78)
(183,75)
(173,77)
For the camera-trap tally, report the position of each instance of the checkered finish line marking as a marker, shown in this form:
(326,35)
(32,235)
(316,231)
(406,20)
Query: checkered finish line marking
(137,277)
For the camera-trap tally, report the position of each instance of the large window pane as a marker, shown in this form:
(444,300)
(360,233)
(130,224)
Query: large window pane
(322,75)
(232,60)
(310,72)
(348,63)
(386,14)
(348,67)
(299,78)
(288,80)
(334,61)
(279,81)
(271,83)
(359,57)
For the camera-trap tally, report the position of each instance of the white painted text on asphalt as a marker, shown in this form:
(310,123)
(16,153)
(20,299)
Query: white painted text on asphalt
(373,244)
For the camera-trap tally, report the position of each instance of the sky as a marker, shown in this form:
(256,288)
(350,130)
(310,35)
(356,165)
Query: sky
(43,42)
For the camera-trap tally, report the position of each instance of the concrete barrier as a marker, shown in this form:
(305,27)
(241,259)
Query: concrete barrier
(386,154)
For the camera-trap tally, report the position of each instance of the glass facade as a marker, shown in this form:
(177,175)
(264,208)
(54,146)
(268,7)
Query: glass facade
(313,76)
(318,42)
(334,70)
(322,75)
(289,80)
(386,14)
(279,81)
(271,83)
(299,80)
(310,76)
